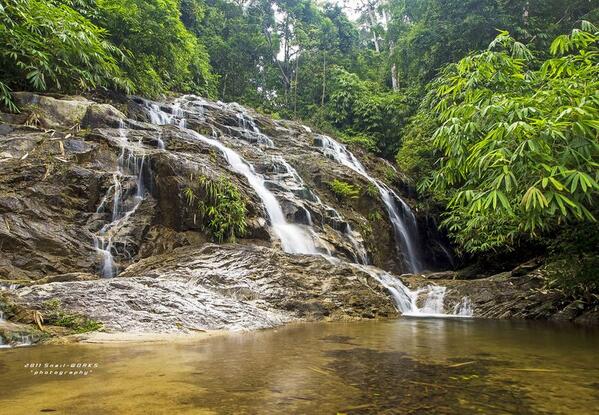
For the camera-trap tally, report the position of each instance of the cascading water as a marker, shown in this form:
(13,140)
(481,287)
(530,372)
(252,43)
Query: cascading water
(404,225)
(431,297)
(251,130)
(296,183)
(299,239)
(464,308)
(294,239)
(24,340)
(160,117)
(128,163)
(405,229)
(251,133)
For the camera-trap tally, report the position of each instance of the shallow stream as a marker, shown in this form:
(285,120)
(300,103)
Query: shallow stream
(407,366)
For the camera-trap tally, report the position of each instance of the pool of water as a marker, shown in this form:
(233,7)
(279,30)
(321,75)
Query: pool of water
(407,366)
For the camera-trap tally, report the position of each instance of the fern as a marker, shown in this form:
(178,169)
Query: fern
(220,207)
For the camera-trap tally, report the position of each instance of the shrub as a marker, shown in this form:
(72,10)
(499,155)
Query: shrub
(518,143)
(46,45)
(220,207)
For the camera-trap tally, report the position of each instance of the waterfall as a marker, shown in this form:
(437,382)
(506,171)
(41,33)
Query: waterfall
(406,300)
(160,117)
(294,239)
(127,162)
(297,239)
(299,185)
(464,308)
(24,340)
(8,287)
(404,223)
(251,131)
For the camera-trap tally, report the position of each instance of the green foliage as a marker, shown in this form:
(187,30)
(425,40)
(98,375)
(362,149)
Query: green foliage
(375,216)
(415,157)
(358,139)
(575,277)
(428,34)
(55,314)
(46,45)
(518,142)
(364,108)
(371,190)
(165,56)
(573,263)
(220,207)
(344,190)
(234,39)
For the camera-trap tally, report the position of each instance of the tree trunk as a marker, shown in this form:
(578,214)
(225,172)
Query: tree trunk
(372,25)
(324,78)
(394,80)
(296,85)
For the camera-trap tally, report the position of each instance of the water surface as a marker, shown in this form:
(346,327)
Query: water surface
(408,366)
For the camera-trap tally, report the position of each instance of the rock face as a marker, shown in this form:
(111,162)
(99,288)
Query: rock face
(89,191)
(515,294)
(220,287)
(60,158)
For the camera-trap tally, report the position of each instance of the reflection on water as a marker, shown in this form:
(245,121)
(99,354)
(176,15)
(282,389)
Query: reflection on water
(409,366)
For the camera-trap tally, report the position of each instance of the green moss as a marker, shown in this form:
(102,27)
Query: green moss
(344,190)
(55,314)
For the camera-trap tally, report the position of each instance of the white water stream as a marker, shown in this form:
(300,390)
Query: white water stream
(296,182)
(404,225)
(128,164)
(422,302)
(294,239)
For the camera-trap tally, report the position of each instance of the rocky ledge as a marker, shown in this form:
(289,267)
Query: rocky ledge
(218,287)
(520,293)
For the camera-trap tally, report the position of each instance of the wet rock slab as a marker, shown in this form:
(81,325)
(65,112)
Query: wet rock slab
(220,287)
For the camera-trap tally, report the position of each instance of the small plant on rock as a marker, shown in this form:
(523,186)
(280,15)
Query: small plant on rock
(220,207)
(54,314)
(344,190)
